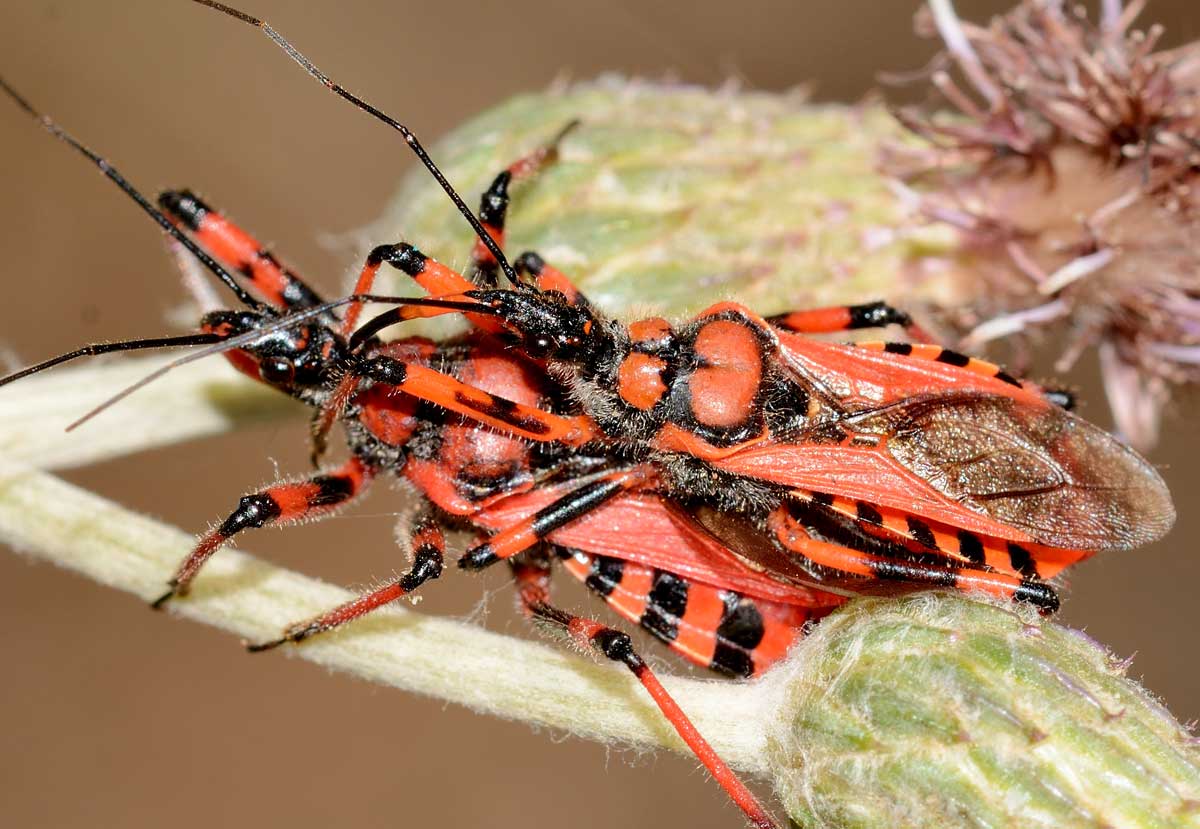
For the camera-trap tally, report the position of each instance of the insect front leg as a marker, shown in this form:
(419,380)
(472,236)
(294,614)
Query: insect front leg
(217,234)
(276,505)
(428,545)
(434,277)
(493,205)
(549,278)
(478,405)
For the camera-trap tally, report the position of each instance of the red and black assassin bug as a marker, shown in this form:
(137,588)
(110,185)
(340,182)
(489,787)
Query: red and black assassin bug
(721,482)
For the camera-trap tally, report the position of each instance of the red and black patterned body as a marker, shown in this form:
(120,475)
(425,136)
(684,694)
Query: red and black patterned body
(709,608)
(721,482)
(643,552)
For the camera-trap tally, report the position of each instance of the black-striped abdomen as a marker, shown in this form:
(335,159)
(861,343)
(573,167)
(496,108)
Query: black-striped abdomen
(720,629)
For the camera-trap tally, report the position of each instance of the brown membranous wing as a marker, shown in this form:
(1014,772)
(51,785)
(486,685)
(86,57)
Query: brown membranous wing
(1040,469)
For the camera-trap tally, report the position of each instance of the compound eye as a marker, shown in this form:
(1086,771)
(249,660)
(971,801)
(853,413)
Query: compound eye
(277,370)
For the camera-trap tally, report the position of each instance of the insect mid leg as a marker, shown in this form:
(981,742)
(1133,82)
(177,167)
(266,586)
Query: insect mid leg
(531,574)
(618,647)
(493,205)
(276,505)
(576,503)
(795,538)
(929,350)
(428,553)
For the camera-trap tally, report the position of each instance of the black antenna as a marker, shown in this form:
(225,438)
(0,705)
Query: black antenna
(222,344)
(58,132)
(411,139)
(109,348)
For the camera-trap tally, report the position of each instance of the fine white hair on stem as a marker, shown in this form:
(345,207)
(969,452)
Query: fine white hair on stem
(203,399)
(537,682)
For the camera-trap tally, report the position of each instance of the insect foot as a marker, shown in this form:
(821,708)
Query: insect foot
(937,710)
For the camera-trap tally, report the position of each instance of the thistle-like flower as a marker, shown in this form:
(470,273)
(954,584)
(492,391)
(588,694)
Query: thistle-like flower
(1070,169)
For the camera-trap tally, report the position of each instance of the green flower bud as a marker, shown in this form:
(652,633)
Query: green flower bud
(938,710)
(669,198)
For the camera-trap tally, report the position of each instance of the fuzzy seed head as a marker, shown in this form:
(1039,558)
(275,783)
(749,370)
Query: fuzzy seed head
(1069,166)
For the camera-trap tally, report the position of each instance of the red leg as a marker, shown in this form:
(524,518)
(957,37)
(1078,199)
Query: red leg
(724,630)
(796,538)
(278,285)
(939,354)
(924,535)
(276,505)
(531,574)
(434,277)
(478,405)
(428,551)
(493,205)
(549,278)
(924,346)
(576,503)
(878,314)
(841,318)
(618,647)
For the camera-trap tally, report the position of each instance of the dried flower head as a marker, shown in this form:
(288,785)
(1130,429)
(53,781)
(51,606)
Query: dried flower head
(1070,169)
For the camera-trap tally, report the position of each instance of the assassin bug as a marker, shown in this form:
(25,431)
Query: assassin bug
(721,482)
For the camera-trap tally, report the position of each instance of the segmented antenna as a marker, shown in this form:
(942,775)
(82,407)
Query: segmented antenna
(111,172)
(109,348)
(404,131)
(245,339)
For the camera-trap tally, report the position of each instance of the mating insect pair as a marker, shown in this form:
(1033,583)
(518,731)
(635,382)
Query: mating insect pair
(721,482)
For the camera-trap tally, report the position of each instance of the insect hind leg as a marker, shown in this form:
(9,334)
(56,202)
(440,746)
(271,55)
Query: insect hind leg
(618,647)
(871,569)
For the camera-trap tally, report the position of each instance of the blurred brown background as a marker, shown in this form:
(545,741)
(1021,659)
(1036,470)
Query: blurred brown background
(114,716)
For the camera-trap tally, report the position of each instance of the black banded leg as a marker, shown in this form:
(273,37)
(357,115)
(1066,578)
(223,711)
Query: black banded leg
(478,405)
(723,630)
(841,318)
(531,572)
(795,537)
(279,504)
(617,646)
(548,278)
(575,504)
(428,553)
(493,206)
(225,240)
